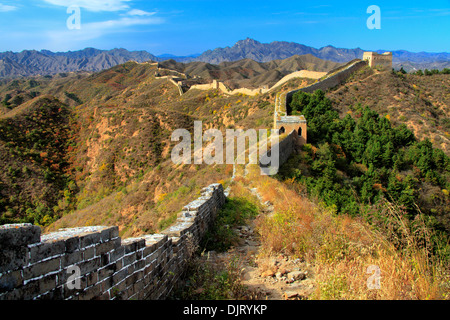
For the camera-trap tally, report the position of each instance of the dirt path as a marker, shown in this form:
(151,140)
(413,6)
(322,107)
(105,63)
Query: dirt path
(275,278)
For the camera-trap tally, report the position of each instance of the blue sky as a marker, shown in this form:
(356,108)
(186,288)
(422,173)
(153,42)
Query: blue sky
(184,27)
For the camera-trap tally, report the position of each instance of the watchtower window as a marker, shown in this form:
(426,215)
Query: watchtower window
(300,131)
(282,130)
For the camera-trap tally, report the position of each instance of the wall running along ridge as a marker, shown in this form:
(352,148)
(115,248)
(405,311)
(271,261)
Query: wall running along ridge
(296,126)
(329,82)
(286,147)
(35,266)
(218,85)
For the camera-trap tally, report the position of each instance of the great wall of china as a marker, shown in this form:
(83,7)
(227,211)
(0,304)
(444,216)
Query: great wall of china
(35,266)
(179,80)
(48,266)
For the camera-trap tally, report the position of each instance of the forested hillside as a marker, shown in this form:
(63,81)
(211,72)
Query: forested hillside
(354,162)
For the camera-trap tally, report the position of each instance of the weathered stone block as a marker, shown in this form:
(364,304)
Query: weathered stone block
(148,250)
(42,268)
(119,276)
(106,285)
(72,244)
(70,259)
(117,254)
(91,278)
(119,264)
(129,258)
(177,230)
(29,290)
(104,258)
(90,293)
(88,253)
(131,279)
(89,239)
(118,289)
(109,233)
(47,283)
(139,264)
(13,258)
(55,294)
(90,265)
(46,250)
(107,271)
(133,244)
(104,296)
(10,280)
(17,235)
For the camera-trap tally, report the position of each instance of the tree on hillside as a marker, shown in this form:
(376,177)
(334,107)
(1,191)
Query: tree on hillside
(360,160)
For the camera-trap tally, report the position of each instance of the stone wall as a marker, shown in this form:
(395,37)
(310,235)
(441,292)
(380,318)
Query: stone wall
(300,74)
(95,263)
(286,147)
(253,92)
(330,82)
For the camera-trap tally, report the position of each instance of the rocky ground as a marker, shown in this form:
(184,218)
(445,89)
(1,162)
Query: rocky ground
(276,278)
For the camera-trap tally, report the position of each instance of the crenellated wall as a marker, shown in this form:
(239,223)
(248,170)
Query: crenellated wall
(95,263)
(296,127)
(331,81)
(214,85)
(286,147)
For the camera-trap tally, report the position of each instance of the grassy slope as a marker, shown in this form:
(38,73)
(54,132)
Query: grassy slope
(119,152)
(34,171)
(341,248)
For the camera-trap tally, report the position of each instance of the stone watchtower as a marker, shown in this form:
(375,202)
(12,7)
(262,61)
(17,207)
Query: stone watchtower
(285,123)
(375,59)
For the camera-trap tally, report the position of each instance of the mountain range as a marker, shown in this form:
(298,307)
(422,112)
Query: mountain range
(247,72)
(263,52)
(32,62)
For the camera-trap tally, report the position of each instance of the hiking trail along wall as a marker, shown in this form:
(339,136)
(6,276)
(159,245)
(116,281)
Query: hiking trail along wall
(95,263)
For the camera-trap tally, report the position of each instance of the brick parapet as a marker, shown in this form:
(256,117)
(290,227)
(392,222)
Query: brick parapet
(95,263)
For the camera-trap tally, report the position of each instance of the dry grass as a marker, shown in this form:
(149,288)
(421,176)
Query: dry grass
(342,248)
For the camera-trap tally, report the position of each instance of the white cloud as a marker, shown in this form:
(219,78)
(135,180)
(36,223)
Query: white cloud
(93,5)
(137,12)
(104,26)
(67,39)
(6,8)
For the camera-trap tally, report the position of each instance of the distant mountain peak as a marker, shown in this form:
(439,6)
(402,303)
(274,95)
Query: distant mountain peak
(278,50)
(248,41)
(32,62)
